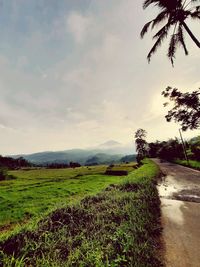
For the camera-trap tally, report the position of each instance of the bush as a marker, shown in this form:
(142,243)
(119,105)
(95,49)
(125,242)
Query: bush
(116,172)
(3,174)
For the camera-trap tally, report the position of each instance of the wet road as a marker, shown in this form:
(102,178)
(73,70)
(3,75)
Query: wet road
(180,201)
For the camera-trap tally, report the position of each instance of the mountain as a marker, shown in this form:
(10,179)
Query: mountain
(110,143)
(114,147)
(75,155)
(102,158)
(106,153)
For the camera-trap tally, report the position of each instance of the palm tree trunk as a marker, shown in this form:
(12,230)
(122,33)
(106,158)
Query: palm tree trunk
(191,34)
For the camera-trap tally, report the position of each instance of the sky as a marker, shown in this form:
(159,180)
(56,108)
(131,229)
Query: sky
(74,74)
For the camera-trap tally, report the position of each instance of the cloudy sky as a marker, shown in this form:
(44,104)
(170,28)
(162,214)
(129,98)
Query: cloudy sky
(73,73)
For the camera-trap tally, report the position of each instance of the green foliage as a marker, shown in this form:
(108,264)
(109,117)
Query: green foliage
(117,227)
(172,150)
(141,144)
(194,147)
(191,163)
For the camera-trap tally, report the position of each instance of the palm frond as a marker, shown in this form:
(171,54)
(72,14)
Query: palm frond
(181,39)
(154,48)
(160,18)
(162,32)
(172,47)
(174,13)
(195,14)
(160,36)
(149,2)
(145,29)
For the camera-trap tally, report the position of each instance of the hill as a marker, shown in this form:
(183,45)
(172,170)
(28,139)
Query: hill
(84,157)
(107,153)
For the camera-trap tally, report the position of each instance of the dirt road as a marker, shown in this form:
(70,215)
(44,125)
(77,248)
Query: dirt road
(180,198)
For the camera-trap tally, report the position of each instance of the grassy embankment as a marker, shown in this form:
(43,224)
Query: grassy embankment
(117,227)
(191,163)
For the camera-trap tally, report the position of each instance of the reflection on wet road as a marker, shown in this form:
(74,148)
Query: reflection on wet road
(179,191)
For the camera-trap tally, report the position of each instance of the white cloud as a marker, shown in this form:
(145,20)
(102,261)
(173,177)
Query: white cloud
(78,25)
(102,89)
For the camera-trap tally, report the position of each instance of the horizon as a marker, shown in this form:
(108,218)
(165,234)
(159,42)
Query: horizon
(74,74)
(97,147)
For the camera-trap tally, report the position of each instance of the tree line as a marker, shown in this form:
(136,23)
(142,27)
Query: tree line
(18,163)
(12,164)
(167,150)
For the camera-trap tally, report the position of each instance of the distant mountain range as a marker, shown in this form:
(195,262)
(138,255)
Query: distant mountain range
(106,153)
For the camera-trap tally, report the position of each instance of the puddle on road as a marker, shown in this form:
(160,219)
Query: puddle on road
(168,186)
(186,197)
(172,209)
(191,196)
(174,195)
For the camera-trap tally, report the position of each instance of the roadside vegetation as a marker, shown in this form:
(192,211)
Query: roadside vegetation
(191,163)
(172,150)
(120,226)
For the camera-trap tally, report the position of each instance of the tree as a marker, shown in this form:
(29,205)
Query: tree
(186,110)
(168,150)
(174,14)
(194,146)
(141,144)
(171,150)
(154,148)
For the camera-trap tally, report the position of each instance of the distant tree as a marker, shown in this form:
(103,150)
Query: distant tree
(174,14)
(168,150)
(56,165)
(141,144)
(194,147)
(74,164)
(186,110)
(154,148)
(3,174)
(11,163)
(171,150)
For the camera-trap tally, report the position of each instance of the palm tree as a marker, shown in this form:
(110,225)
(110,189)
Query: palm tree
(173,13)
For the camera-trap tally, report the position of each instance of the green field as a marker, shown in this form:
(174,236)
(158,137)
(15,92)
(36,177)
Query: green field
(34,192)
(119,226)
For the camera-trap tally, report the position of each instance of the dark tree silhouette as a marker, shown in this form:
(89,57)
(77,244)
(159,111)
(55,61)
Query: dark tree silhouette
(11,163)
(173,13)
(141,144)
(186,110)
(168,150)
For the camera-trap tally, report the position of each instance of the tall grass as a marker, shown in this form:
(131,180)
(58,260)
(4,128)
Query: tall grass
(118,227)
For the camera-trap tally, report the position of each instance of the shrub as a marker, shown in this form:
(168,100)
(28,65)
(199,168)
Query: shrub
(116,172)
(3,174)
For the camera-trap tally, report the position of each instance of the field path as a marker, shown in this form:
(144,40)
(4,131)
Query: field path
(180,203)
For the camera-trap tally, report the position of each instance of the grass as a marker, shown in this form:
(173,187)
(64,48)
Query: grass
(120,226)
(191,163)
(35,192)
